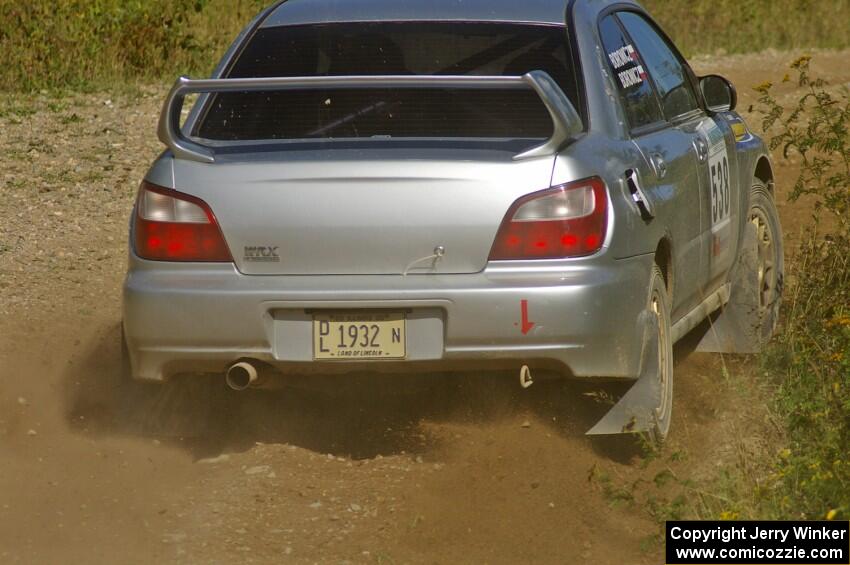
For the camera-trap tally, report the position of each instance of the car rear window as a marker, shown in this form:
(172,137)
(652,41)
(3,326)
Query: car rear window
(391,48)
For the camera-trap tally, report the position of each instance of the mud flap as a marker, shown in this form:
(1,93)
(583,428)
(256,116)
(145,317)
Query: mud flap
(738,326)
(635,412)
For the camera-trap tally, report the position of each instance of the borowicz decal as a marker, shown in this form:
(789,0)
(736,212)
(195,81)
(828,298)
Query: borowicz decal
(627,56)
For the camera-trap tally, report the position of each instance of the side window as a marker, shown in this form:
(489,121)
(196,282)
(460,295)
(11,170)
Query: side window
(664,66)
(636,91)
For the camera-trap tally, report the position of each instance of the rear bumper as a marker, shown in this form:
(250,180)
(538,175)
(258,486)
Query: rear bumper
(202,318)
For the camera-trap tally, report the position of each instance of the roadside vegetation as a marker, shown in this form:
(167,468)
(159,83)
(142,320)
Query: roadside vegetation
(733,26)
(810,359)
(76,44)
(803,472)
(95,44)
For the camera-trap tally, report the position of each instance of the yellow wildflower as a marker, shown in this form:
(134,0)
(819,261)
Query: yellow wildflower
(832,514)
(801,61)
(764,87)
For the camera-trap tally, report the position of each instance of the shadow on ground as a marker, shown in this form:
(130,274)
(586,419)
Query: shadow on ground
(200,414)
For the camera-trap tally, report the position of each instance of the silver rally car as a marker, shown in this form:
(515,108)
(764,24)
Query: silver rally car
(392,185)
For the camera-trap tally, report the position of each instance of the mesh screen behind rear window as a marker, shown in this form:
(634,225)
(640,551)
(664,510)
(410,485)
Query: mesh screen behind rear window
(391,48)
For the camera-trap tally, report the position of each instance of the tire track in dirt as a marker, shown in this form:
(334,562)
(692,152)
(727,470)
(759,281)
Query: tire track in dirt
(469,469)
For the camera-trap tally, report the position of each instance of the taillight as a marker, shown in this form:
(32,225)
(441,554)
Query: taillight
(171,226)
(565,221)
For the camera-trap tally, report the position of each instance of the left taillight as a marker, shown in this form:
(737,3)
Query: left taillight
(565,221)
(171,226)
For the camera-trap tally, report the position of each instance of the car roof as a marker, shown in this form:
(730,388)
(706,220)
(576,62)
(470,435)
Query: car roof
(297,12)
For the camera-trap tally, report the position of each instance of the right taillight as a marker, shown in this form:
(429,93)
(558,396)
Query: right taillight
(172,226)
(564,221)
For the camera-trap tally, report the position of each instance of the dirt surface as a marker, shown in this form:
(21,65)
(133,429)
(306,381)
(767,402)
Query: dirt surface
(472,470)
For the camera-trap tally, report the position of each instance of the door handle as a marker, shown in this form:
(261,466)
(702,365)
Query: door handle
(702,149)
(659,164)
(647,210)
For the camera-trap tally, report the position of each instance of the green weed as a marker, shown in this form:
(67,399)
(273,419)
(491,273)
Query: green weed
(812,356)
(808,365)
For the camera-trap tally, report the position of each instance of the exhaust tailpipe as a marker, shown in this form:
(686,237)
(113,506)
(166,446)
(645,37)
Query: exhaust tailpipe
(241,376)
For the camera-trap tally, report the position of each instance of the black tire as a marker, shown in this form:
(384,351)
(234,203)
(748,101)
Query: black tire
(771,258)
(659,303)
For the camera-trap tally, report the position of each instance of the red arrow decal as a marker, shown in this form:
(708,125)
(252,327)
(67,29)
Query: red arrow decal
(526,325)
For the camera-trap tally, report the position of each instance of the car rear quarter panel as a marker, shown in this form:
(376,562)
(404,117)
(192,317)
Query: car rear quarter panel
(597,155)
(607,150)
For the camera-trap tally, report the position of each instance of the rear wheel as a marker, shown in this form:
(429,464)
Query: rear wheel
(659,305)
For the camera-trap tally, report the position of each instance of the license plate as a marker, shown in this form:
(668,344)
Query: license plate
(349,336)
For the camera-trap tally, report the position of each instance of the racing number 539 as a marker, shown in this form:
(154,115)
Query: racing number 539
(720,196)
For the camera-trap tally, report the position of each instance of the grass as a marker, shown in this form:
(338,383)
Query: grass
(95,44)
(85,44)
(734,26)
(811,477)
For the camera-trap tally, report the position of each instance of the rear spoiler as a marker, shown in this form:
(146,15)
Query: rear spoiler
(566,121)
